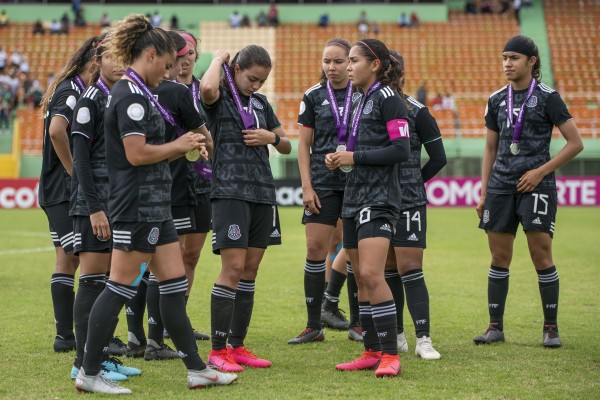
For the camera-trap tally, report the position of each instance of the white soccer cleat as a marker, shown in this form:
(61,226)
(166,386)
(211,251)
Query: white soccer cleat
(209,377)
(425,350)
(97,384)
(402,345)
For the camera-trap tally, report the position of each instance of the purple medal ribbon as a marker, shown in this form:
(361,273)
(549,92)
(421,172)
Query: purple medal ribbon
(247,116)
(202,168)
(357,113)
(341,118)
(518,125)
(79,82)
(103,86)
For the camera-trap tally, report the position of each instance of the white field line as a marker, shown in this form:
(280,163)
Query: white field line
(26,251)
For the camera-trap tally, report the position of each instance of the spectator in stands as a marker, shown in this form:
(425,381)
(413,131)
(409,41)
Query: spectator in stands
(245,23)
(38,28)
(24,66)
(403,20)
(33,95)
(363,29)
(324,21)
(504,6)
(65,23)
(55,27)
(414,20)
(3,57)
(448,102)
(422,94)
(3,19)
(470,7)
(516,10)
(437,102)
(105,21)
(235,19)
(485,7)
(5,107)
(174,25)
(156,19)
(16,58)
(262,19)
(80,19)
(76,7)
(273,15)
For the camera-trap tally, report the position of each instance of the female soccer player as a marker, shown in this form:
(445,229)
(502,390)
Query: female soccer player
(242,123)
(88,208)
(410,237)
(379,138)
(324,118)
(55,183)
(518,183)
(139,204)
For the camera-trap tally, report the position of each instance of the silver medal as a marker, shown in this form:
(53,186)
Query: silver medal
(347,168)
(341,147)
(514,148)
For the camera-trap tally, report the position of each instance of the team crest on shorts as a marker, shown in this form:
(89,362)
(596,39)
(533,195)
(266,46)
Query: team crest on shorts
(532,102)
(486,216)
(234,232)
(153,236)
(368,107)
(257,104)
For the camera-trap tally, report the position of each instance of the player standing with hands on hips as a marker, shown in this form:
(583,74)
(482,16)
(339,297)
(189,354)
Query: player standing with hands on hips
(518,183)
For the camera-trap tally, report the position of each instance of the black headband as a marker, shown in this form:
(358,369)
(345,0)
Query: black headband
(522,45)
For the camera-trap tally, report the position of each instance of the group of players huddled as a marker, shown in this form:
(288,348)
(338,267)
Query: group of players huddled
(141,160)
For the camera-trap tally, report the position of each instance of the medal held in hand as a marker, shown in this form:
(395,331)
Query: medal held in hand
(346,168)
(193,155)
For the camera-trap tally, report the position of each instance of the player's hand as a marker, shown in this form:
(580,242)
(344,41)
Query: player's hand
(258,137)
(190,141)
(342,158)
(311,201)
(222,55)
(100,225)
(529,181)
(479,207)
(329,161)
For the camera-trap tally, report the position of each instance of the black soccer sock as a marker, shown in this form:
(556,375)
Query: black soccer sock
(417,300)
(90,287)
(549,287)
(101,322)
(242,312)
(395,283)
(222,301)
(370,339)
(155,322)
(334,288)
(63,297)
(172,309)
(314,286)
(352,288)
(384,319)
(497,292)
(134,310)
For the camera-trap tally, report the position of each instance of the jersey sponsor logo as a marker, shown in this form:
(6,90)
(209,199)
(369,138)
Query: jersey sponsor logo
(386,227)
(153,236)
(234,232)
(532,102)
(275,234)
(83,115)
(486,216)
(302,108)
(368,107)
(257,104)
(71,101)
(135,111)
(537,221)
(413,238)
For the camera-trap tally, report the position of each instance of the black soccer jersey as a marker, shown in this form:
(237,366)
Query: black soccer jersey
(543,110)
(176,98)
(423,129)
(55,182)
(376,186)
(90,196)
(315,112)
(239,171)
(200,184)
(140,193)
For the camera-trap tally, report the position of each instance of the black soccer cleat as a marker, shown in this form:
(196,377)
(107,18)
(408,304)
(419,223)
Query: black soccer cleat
(334,318)
(551,337)
(308,335)
(116,347)
(491,335)
(62,345)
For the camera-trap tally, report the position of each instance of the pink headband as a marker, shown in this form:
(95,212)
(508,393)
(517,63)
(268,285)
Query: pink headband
(188,38)
(367,46)
(338,44)
(183,51)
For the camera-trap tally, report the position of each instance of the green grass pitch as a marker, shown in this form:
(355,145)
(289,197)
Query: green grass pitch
(456,267)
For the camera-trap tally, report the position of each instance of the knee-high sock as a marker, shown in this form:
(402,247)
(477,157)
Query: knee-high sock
(242,312)
(155,321)
(395,283)
(314,287)
(222,300)
(63,297)
(352,288)
(370,339)
(497,292)
(549,288)
(135,313)
(172,309)
(101,323)
(417,300)
(334,288)
(384,319)
(90,287)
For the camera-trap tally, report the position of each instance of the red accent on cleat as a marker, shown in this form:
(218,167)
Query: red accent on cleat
(223,361)
(244,356)
(368,360)
(389,365)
